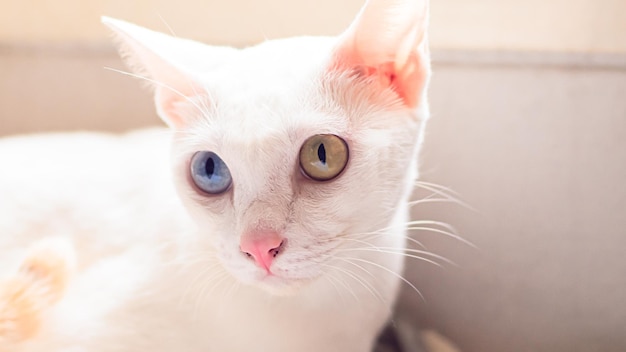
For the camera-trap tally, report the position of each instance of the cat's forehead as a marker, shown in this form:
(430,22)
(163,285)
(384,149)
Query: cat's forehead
(269,71)
(271,89)
(268,128)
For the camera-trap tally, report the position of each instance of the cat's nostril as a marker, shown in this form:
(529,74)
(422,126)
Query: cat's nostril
(262,247)
(275,251)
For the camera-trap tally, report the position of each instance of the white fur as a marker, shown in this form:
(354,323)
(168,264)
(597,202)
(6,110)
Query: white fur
(159,265)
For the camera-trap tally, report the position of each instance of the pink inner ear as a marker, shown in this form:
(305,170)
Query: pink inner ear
(388,40)
(169,104)
(407,79)
(176,96)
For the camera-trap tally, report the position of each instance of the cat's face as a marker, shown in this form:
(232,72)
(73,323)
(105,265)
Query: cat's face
(291,152)
(259,137)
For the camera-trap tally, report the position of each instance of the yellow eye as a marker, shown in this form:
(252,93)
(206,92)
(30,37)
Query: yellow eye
(323,156)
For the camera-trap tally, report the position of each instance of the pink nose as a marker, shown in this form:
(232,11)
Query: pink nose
(262,246)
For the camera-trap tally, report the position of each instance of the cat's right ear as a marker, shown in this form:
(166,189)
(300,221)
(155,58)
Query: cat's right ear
(388,42)
(163,61)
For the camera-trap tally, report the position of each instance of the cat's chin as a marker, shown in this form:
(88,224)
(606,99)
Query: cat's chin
(278,286)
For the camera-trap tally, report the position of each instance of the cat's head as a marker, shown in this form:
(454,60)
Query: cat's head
(288,152)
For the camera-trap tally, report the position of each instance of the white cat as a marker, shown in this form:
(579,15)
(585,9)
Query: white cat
(271,218)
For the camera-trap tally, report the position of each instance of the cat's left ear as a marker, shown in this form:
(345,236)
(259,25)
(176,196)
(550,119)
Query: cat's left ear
(168,63)
(388,40)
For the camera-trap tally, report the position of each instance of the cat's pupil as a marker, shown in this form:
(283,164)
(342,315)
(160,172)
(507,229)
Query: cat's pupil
(210,167)
(321,153)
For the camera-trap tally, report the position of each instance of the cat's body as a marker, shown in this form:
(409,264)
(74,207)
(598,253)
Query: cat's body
(141,283)
(151,258)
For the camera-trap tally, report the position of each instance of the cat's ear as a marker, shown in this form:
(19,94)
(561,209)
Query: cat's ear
(388,40)
(168,63)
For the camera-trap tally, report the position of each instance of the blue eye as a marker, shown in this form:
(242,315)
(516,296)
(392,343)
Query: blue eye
(210,173)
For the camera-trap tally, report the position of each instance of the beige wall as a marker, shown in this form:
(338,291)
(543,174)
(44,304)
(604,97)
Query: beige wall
(552,25)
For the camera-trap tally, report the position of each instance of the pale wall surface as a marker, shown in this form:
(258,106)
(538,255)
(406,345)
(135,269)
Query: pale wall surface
(540,153)
(553,25)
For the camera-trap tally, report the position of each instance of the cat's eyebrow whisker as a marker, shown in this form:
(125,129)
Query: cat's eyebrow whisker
(193,86)
(160,84)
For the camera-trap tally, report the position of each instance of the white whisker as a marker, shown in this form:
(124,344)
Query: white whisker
(437,186)
(405,253)
(161,84)
(430,187)
(361,281)
(335,280)
(390,272)
(443,232)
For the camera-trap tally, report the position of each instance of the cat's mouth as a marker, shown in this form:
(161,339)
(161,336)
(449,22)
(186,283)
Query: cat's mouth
(278,283)
(280,286)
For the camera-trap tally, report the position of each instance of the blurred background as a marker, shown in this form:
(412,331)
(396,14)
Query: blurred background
(528,125)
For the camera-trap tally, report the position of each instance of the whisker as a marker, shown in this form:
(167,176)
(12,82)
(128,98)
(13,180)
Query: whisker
(160,84)
(434,222)
(343,283)
(194,281)
(406,252)
(437,186)
(229,295)
(372,235)
(443,232)
(434,255)
(431,200)
(407,255)
(337,280)
(215,280)
(167,25)
(331,281)
(377,293)
(361,281)
(429,187)
(390,272)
